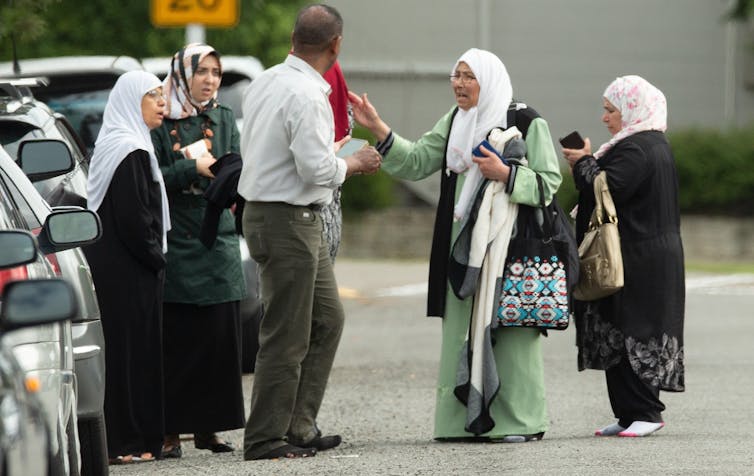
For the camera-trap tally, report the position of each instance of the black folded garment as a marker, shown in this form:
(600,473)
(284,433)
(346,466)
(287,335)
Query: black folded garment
(222,193)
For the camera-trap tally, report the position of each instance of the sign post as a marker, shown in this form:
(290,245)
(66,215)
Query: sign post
(178,13)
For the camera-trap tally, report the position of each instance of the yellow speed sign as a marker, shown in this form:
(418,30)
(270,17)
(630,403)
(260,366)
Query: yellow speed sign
(213,13)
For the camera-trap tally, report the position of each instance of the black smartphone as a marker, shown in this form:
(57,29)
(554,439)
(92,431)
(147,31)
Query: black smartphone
(572,141)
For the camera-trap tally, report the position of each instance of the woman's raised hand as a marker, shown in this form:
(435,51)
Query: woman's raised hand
(573,155)
(365,114)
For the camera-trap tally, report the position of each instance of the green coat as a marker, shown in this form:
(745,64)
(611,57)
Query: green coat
(519,408)
(195,274)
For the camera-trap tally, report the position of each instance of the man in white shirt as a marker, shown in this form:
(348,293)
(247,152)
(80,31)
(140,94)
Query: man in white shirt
(289,172)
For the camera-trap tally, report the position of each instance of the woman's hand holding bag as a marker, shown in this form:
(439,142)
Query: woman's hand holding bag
(600,258)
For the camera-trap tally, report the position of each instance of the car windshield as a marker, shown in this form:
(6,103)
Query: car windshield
(84,111)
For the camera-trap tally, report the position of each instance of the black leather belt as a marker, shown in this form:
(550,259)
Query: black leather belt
(315,207)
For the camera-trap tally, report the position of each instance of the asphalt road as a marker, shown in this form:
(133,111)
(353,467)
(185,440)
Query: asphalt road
(381,396)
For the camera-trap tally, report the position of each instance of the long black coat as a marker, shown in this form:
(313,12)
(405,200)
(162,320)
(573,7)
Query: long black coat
(127,266)
(644,321)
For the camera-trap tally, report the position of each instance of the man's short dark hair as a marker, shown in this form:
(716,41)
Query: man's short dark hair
(316,26)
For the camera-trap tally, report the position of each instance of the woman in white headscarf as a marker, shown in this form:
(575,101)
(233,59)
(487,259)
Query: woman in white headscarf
(510,406)
(635,335)
(126,189)
(204,283)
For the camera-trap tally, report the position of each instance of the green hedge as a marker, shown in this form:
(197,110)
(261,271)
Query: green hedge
(715,171)
(367,192)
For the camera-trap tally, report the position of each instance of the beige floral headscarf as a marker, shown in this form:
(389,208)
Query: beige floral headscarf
(176,86)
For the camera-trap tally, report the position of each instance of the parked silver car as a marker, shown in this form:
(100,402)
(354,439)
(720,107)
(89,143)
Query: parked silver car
(24,124)
(25,447)
(49,353)
(78,86)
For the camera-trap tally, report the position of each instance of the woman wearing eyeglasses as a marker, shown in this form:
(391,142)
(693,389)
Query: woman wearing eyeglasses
(203,285)
(501,398)
(126,189)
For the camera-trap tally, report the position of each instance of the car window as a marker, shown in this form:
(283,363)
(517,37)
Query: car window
(12,133)
(74,144)
(32,222)
(7,220)
(84,111)
(231,95)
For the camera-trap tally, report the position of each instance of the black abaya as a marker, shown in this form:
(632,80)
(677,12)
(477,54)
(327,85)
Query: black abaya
(127,267)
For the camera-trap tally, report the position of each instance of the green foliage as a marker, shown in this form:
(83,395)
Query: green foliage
(22,19)
(567,194)
(715,170)
(105,27)
(367,192)
(741,10)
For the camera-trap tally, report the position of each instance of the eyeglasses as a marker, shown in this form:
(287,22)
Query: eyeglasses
(462,78)
(155,94)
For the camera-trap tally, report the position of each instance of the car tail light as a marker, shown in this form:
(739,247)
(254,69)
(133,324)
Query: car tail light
(12,274)
(52,257)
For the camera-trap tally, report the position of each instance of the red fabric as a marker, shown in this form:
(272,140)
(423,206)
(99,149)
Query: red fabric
(338,100)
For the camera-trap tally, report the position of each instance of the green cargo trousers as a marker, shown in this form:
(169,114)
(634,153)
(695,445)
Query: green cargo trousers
(301,328)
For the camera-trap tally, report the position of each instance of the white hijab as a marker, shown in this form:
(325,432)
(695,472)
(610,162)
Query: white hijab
(124,131)
(472,126)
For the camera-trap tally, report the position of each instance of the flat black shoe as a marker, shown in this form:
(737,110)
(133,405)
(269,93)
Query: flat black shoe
(207,442)
(322,443)
(175,451)
(520,438)
(285,451)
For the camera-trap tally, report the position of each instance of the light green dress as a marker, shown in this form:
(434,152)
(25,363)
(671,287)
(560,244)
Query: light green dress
(519,408)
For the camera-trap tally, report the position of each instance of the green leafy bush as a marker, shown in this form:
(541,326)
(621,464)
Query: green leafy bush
(715,171)
(567,194)
(367,192)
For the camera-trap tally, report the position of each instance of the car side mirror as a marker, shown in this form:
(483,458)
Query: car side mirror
(36,301)
(17,248)
(44,158)
(69,228)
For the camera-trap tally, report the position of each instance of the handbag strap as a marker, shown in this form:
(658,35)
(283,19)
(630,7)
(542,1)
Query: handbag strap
(546,218)
(604,206)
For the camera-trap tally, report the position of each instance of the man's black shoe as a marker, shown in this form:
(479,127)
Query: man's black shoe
(319,442)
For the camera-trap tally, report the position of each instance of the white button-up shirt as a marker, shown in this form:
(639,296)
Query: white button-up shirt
(287,137)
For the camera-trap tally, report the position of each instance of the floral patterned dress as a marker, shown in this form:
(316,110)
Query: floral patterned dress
(644,321)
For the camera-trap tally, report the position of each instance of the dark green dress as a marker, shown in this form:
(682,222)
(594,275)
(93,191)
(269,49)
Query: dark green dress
(203,287)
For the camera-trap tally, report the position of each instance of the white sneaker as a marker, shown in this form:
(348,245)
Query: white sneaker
(609,430)
(641,428)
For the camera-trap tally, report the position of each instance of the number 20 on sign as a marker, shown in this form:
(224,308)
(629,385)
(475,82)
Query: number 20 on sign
(212,13)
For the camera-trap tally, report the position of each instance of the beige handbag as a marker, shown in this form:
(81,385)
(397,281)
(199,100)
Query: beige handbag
(600,259)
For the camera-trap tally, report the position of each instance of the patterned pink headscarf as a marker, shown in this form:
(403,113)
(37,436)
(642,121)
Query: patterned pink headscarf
(642,106)
(176,86)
